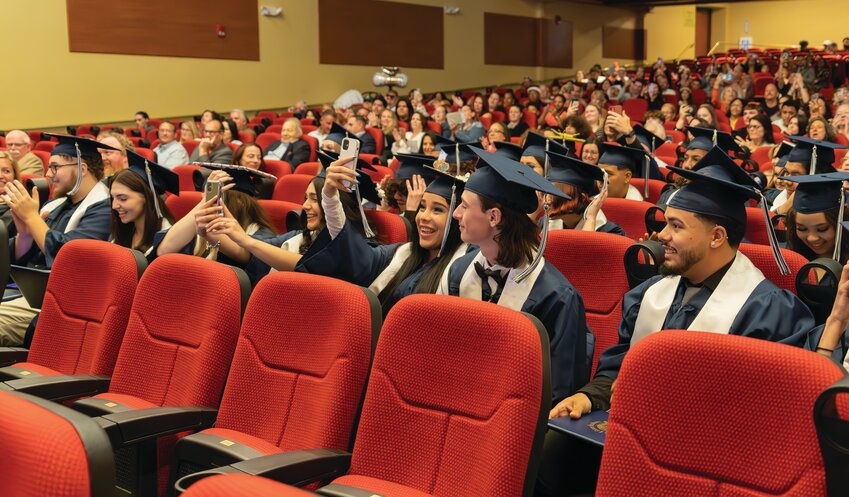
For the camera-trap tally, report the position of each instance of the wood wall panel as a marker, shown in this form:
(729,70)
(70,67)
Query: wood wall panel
(623,43)
(411,35)
(556,43)
(526,41)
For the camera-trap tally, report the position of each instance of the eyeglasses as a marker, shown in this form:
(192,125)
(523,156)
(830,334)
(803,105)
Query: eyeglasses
(53,167)
(754,126)
(212,131)
(16,145)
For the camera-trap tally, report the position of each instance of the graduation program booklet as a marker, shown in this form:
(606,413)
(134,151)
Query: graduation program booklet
(591,427)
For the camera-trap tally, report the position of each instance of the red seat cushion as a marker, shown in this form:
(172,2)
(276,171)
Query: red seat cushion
(232,485)
(381,487)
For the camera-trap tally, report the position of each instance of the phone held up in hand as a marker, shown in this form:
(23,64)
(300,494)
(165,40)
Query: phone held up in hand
(350,148)
(212,190)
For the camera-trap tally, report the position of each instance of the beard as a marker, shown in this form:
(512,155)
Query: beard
(61,189)
(689,258)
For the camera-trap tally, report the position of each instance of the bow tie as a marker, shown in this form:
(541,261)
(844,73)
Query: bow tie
(486,290)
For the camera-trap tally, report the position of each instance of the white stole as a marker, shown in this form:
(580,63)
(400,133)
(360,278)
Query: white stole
(719,311)
(778,201)
(513,296)
(399,258)
(98,193)
(292,245)
(634,194)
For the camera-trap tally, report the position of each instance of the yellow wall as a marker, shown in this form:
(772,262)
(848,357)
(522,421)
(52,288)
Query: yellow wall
(671,32)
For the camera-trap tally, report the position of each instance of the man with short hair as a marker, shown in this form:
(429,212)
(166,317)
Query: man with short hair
(212,147)
(20,147)
(289,147)
(170,153)
(238,116)
(328,117)
(771,103)
(356,125)
(142,120)
(391,100)
(789,110)
(378,105)
(115,156)
(81,210)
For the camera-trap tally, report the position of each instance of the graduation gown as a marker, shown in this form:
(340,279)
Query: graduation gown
(547,295)
(290,241)
(351,258)
(769,313)
(93,221)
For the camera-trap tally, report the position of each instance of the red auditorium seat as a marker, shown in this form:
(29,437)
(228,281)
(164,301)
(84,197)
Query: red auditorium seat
(378,139)
(186,173)
(291,188)
(248,486)
(266,139)
(379,173)
(277,210)
(391,228)
(699,96)
(308,168)
(763,444)
(655,188)
(52,451)
(313,143)
(629,214)
(44,156)
(85,129)
(306,128)
(498,116)
(176,353)
(246,137)
(190,146)
(636,108)
(761,156)
(274,128)
(180,205)
(435,127)
(278,168)
(449,410)
(232,146)
(756,226)
(266,114)
(761,257)
(315,376)
(154,135)
(530,118)
(576,255)
(80,327)
(46,146)
(135,140)
(371,158)
(34,136)
(486,121)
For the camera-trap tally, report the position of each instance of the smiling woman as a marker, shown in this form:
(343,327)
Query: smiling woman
(7,175)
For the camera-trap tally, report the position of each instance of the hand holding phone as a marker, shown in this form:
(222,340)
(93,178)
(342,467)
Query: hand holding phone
(212,190)
(616,109)
(350,148)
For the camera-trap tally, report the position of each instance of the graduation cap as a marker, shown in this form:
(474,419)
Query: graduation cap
(537,145)
(817,155)
(411,164)
(337,133)
(454,153)
(783,152)
(819,193)
(75,146)
(508,149)
(514,186)
(647,138)
(720,188)
(449,187)
(160,179)
(367,188)
(575,172)
(243,177)
(637,160)
(706,139)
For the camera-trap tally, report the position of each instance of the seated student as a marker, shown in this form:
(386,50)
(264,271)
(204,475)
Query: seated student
(624,163)
(807,157)
(703,140)
(138,205)
(534,149)
(282,252)
(815,220)
(290,147)
(508,268)
(8,168)
(706,284)
(390,271)
(80,210)
(582,211)
(190,235)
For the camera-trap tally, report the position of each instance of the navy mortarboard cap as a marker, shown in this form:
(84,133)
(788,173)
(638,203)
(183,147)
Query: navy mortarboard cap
(75,146)
(647,138)
(536,145)
(565,169)
(783,153)
(508,149)
(706,139)
(819,193)
(640,162)
(514,186)
(243,177)
(720,188)
(326,157)
(449,187)
(160,179)
(818,155)
(410,164)
(337,133)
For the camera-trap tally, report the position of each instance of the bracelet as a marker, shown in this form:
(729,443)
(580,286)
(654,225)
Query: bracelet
(210,246)
(830,351)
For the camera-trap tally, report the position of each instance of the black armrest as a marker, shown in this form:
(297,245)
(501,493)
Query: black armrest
(135,426)
(12,355)
(297,467)
(336,490)
(62,387)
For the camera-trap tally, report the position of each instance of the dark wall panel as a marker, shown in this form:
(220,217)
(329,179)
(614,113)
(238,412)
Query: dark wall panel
(408,35)
(526,41)
(623,43)
(556,43)
(182,28)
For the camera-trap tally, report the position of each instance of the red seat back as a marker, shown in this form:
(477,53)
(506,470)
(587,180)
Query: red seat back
(756,226)
(44,156)
(191,145)
(291,188)
(378,139)
(246,137)
(307,367)
(278,168)
(50,450)
(391,228)
(237,484)
(266,139)
(761,257)
(575,254)
(180,205)
(146,153)
(274,128)
(656,187)
(177,351)
(81,327)
(47,146)
(313,143)
(186,173)
(469,403)
(308,168)
(277,210)
(636,108)
(379,173)
(629,214)
(685,375)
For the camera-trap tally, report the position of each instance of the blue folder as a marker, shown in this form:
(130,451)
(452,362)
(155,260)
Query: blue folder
(591,427)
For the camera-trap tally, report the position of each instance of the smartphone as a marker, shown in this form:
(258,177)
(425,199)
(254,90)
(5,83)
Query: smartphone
(728,77)
(616,108)
(350,148)
(213,189)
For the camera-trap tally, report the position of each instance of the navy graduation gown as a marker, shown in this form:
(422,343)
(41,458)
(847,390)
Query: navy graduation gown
(256,268)
(611,227)
(770,313)
(560,308)
(94,224)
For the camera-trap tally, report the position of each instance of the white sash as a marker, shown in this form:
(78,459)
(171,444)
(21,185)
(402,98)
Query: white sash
(719,311)
(399,258)
(514,294)
(634,194)
(778,201)
(291,245)
(98,193)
